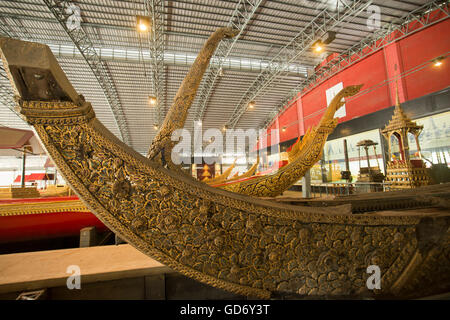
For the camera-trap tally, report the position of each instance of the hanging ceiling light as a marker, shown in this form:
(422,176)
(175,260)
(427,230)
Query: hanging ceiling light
(224,128)
(152,100)
(142,23)
(283,129)
(251,104)
(438,61)
(327,38)
(155,126)
(221,72)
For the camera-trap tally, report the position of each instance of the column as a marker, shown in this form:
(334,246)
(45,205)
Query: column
(306,185)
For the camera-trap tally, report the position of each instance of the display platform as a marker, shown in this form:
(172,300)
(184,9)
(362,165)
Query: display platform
(107,272)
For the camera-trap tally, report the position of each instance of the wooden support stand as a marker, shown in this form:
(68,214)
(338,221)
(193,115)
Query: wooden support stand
(88,237)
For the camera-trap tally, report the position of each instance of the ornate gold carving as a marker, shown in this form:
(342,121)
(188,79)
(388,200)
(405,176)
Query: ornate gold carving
(222,177)
(404,173)
(15,209)
(241,244)
(303,155)
(63,112)
(251,249)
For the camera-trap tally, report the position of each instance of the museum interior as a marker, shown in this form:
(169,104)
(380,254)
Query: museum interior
(238,149)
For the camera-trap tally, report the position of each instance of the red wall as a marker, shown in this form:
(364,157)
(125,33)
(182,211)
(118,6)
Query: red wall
(411,53)
(26,227)
(46,225)
(370,72)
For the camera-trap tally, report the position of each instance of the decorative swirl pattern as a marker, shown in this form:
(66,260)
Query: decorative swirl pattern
(241,244)
(249,248)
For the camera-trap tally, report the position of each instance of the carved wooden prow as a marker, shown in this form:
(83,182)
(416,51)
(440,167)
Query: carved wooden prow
(177,114)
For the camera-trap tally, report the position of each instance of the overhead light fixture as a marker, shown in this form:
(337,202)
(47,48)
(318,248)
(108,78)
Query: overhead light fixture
(283,129)
(152,100)
(224,128)
(143,23)
(199,122)
(318,46)
(221,72)
(251,104)
(438,61)
(155,126)
(327,38)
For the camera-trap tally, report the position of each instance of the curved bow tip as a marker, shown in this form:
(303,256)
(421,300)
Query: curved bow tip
(358,87)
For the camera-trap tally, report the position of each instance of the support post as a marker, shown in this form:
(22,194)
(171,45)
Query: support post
(366,148)
(359,158)
(346,174)
(306,185)
(22,178)
(385,157)
(347,164)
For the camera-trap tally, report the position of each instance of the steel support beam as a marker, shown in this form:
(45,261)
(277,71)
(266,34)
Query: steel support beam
(326,20)
(156,41)
(98,67)
(133,54)
(7,97)
(5,30)
(242,14)
(184,59)
(412,22)
(189,35)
